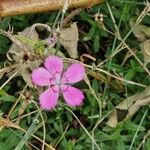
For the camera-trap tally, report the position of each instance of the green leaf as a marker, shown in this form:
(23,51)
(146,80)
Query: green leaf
(92,31)
(5,23)
(96,42)
(95,86)
(9,139)
(58,128)
(78,147)
(3,44)
(7,98)
(120,144)
(133,127)
(114,67)
(91,99)
(130,74)
(148,144)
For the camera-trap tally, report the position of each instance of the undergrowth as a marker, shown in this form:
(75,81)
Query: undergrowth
(115,72)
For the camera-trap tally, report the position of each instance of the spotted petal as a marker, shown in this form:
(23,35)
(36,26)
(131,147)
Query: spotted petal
(48,99)
(74,73)
(54,64)
(41,77)
(72,96)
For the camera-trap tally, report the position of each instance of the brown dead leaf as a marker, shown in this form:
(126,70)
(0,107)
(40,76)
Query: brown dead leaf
(112,122)
(7,123)
(26,99)
(25,69)
(145,47)
(24,43)
(6,70)
(69,39)
(129,107)
(142,33)
(23,53)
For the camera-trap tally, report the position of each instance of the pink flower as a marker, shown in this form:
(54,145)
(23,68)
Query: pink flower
(59,82)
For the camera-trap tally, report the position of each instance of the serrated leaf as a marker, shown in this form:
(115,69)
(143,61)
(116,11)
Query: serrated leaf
(133,127)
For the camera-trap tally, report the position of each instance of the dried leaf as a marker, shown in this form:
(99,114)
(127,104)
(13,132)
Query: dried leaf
(26,99)
(69,39)
(145,47)
(7,123)
(29,42)
(142,33)
(129,107)
(6,70)
(112,122)
(25,70)
(24,51)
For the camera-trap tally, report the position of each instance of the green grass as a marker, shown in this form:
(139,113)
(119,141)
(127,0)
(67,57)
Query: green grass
(110,76)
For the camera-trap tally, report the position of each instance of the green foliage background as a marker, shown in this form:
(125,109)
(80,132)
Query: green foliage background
(63,131)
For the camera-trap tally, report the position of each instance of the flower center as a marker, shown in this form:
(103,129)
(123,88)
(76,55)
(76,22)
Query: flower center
(56,80)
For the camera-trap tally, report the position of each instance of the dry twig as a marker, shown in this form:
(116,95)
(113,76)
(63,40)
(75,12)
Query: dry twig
(16,7)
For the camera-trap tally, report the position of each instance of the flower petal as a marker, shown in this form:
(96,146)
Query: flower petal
(72,96)
(74,73)
(48,99)
(54,64)
(41,77)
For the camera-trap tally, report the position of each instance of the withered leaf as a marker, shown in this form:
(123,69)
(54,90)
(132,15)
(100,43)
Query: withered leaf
(6,70)
(145,47)
(129,107)
(69,39)
(142,33)
(112,122)
(7,123)
(25,70)
(23,53)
